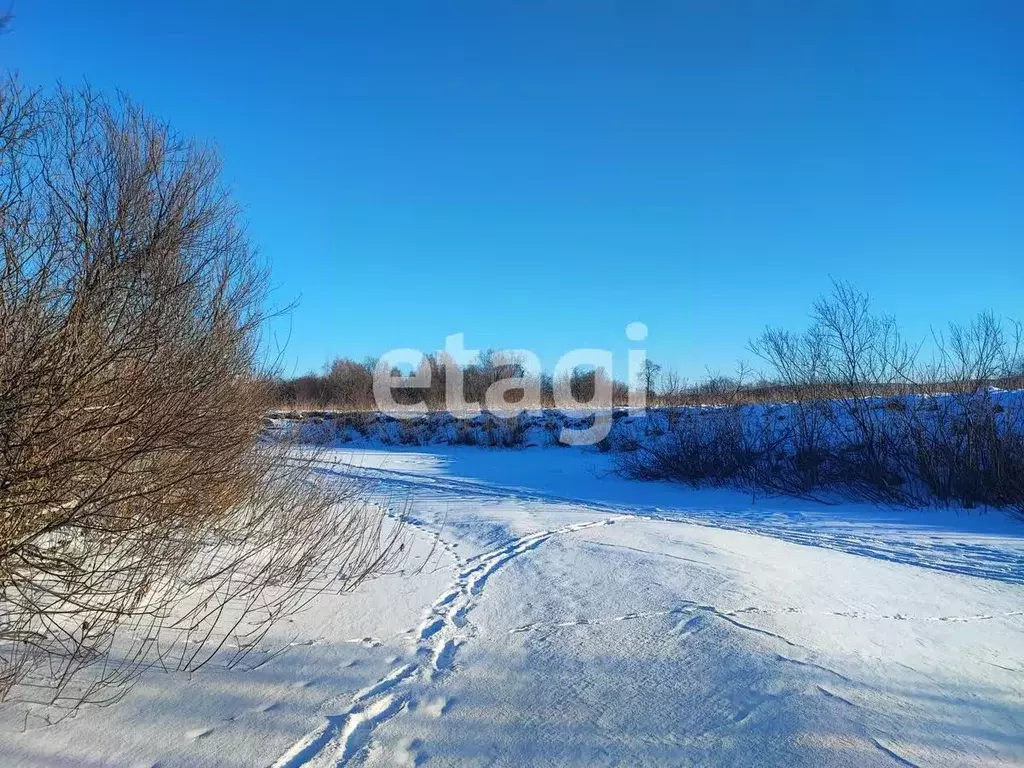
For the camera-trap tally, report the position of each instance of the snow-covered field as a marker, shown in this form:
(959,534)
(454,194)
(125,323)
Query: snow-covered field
(549,612)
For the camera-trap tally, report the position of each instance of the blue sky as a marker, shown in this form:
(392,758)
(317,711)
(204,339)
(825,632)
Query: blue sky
(537,175)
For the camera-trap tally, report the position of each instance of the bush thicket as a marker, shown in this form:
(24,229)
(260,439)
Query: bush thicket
(141,520)
(862,416)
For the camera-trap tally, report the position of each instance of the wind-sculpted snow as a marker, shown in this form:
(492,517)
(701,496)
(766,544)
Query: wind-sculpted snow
(552,613)
(989,546)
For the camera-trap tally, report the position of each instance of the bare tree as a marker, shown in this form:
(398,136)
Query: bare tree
(673,386)
(648,376)
(142,520)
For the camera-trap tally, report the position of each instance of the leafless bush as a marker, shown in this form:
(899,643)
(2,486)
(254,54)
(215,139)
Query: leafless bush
(969,444)
(855,414)
(507,432)
(141,520)
(711,445)
(838,435)
(464,434)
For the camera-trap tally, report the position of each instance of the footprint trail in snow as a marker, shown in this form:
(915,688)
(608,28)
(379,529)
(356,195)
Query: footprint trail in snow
(347,732)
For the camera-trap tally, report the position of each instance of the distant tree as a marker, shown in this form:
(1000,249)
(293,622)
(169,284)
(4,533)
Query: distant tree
(649,378)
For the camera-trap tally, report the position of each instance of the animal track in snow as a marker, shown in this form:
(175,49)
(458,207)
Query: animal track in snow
(730,616)
(386,684)
(436,707)
(437,640)
(407,754)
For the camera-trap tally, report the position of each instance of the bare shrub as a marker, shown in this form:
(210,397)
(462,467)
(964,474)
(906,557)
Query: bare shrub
(837,435)
(508,432)
(969,446)
(464,434)
(141,520)
(855,414)
(706,446)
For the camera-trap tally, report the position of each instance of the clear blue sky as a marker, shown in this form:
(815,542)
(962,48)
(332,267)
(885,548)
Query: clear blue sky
(540,174)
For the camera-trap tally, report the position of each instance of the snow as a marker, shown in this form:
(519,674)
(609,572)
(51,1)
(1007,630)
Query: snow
(571,617)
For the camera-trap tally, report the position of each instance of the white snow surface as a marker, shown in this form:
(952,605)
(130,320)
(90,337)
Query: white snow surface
(570,617)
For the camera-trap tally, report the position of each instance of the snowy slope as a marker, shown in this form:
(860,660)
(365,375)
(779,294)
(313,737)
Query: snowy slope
(571,617)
